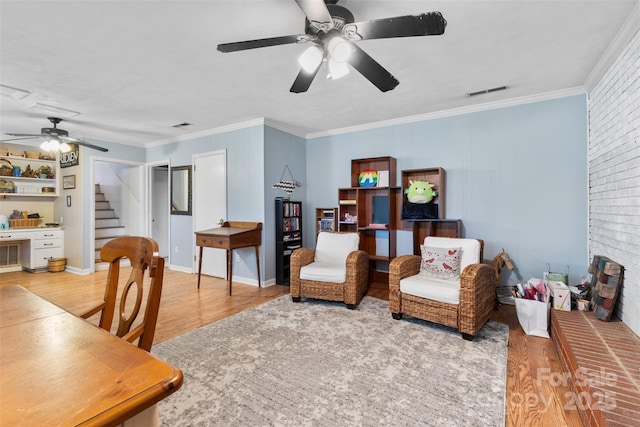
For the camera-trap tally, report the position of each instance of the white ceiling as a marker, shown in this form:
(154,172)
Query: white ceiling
(133,69)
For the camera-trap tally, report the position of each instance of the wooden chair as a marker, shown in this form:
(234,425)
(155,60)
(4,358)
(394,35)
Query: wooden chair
(142,252)
(334,270)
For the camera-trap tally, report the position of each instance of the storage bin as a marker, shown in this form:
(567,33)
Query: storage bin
(23,223)
(57,264)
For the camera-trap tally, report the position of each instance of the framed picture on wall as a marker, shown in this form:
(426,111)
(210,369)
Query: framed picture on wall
(69,182)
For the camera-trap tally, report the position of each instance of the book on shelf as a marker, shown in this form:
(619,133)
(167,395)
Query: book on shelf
(328,213)
(326,225)
(381,226)
(347,202)
(383,178)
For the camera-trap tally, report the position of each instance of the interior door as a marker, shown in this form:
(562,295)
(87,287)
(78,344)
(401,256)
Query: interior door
(160,208)
(210,206)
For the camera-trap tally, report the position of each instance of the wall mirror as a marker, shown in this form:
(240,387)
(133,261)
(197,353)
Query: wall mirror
(181,190)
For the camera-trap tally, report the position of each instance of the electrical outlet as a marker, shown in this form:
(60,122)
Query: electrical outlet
(61,220)
(176,249)
(236,257)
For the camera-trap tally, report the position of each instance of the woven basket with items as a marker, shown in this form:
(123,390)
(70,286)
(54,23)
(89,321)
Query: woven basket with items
(6,168)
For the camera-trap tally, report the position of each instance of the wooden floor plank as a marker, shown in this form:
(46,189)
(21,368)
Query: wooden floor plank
(532,398)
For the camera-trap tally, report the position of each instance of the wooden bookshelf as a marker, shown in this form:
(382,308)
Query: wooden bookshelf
(440,226)
(373,211)
(326,219)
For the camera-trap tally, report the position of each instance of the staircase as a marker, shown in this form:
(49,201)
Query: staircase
(107,224)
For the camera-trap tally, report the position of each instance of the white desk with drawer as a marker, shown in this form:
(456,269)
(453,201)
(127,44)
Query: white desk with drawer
(35,247)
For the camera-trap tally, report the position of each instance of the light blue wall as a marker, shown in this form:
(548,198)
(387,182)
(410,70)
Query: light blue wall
(245,179)
(517,177)
(282,149)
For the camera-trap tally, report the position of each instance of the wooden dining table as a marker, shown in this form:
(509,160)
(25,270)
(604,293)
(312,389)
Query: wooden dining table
(58,369)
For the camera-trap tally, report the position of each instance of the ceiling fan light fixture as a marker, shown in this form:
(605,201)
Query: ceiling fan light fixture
(50,144)
(337,69)
(64,147)
(310,59)
(339,49)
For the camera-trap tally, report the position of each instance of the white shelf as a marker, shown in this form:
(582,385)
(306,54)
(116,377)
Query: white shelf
(27,186)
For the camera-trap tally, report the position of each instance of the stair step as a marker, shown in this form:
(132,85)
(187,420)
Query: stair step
(105,239)
(105,213)
(109,232)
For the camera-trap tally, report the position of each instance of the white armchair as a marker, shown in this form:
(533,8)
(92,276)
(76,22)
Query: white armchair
(336,270)
(462,300)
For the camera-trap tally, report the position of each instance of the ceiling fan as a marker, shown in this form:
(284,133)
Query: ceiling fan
(332,30)
(55,139)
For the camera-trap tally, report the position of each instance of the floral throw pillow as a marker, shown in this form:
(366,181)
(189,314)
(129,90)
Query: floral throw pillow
(443,263)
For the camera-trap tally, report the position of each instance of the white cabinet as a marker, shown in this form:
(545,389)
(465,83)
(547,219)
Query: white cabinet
(44,245)
(36,246)
(31,186)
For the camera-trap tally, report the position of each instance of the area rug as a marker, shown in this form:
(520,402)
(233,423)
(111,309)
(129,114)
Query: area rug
(317,363)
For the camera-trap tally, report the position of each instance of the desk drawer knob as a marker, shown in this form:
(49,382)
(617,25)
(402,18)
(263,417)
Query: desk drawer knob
(220,242)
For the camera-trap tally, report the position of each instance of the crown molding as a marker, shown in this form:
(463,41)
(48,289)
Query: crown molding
(455,111)
(208,132)
(619,43)
(394,122)
(286,128)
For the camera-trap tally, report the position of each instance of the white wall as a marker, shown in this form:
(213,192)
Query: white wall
(614,174)
(123,187)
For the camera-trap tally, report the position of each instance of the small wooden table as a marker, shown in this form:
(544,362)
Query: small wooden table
(58,369)
(231,235)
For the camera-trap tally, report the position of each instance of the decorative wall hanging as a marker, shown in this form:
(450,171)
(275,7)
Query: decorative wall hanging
(288,186)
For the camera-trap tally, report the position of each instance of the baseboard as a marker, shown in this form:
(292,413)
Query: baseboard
(181,269)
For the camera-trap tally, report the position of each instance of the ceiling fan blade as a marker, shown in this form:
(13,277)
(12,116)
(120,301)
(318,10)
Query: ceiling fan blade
(370,69)
(317,14)
(24,137)
(84,144)
(32,135)
(253,44)
(304,79)
(425,24)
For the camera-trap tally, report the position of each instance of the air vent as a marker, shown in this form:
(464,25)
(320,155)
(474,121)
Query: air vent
(181,125)
(482,92)
(53,110)
(13,92)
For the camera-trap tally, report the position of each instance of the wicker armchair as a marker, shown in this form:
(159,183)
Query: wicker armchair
(468,301)
(335,270)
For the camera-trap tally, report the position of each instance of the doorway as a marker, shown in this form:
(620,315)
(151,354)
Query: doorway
(210,207)
(159,203)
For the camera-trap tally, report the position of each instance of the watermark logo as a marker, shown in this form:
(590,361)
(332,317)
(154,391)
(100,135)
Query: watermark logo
(599,399)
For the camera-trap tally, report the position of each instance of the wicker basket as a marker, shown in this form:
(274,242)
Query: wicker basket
(23,223)
(57,264)
(32,155)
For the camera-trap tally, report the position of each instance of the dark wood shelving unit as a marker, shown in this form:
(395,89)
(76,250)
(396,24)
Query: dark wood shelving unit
(288,236)
(326,219)
(376,210)
(421,228)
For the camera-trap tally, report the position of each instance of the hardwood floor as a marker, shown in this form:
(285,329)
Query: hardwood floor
(536,395)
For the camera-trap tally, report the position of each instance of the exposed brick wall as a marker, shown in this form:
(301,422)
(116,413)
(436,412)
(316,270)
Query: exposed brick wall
(614,174)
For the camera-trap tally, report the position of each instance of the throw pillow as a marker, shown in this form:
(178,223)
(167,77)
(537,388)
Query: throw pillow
(443,263)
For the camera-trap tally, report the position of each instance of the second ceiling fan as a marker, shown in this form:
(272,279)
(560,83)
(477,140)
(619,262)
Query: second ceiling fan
(332,30)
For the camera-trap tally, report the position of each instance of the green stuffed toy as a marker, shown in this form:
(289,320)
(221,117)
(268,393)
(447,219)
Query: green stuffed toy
(420,192)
